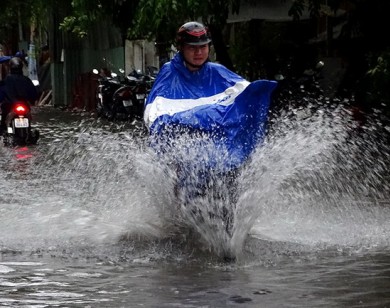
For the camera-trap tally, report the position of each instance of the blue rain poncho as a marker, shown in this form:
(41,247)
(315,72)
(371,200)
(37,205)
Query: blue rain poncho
(4,59)
(214,101)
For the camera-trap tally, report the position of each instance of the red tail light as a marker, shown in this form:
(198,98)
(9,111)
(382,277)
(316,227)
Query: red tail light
(20,109)
(125,94)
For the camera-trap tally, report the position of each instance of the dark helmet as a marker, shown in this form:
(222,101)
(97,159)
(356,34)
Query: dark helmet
(16,65)
(192,33)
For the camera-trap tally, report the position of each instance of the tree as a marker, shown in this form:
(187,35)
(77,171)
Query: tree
(154,19)
(163,17)
(85,13)
(363,42)
(17,16)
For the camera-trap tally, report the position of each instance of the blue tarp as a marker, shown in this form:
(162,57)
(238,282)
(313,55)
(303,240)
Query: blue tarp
(214,101)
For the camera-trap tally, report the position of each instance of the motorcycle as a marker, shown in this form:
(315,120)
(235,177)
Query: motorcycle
(215,192)
(152,71)
(18,130)
(107,85)
(122,98)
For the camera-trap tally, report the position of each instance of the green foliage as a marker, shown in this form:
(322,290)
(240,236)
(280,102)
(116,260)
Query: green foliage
(296,9)
(160,19)
(314,7)
(381,67)
(135,18)
(378,80)
(24,13)
(163,17)
(11,10)
(84,13)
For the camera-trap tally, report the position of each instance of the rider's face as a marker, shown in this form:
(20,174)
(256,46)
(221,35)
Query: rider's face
(195,55)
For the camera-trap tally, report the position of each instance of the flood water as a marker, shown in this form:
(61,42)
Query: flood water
(88,218)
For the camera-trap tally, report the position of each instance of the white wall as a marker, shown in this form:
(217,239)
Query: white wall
(140,54)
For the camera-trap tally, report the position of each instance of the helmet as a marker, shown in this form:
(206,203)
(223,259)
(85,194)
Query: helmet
(192,33)
(20,54)
(16,65)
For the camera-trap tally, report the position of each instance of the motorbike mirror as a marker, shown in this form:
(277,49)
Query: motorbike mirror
(95,71)
(308,72)
(279,77)
(320,65)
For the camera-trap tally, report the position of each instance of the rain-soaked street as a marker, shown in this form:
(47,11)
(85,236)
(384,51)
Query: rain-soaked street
(88,218)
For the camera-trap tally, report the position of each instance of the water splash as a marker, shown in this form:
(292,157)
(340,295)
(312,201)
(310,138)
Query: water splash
(318,181)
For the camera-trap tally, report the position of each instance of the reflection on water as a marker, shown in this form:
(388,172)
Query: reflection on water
(89,217)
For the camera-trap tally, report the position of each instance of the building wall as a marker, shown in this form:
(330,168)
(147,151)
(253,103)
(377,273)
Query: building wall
(140,54)
(270,10)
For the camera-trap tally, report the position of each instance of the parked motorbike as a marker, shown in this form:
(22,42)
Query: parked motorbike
(107,85)
(152,71)
(122,97)
(18,130)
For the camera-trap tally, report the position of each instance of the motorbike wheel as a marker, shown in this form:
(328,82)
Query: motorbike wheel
(104,112)
(220,196)
(33,137)
(219,220)
(21,137)
(7,140)
(13,140)
(99,111)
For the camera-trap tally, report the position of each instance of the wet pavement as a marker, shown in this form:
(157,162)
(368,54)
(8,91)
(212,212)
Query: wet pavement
(88,219)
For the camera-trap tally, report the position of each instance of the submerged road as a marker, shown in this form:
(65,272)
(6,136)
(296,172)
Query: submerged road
(87,218)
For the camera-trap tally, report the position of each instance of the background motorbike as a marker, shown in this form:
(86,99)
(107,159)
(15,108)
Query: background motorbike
(107,85)
(123,97)
(18,129)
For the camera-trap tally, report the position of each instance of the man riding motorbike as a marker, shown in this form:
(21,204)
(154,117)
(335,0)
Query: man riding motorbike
(14,87)
(193,44)
(192,95)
